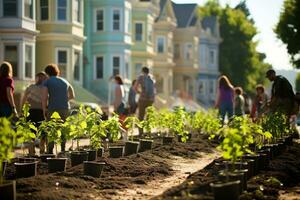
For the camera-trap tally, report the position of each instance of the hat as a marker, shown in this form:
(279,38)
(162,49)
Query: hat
(269,72)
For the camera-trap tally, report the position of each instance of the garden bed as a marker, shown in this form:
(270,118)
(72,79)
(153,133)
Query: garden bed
(281,177)
(118,174)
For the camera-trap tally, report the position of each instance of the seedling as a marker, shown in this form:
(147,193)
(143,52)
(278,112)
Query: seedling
(131,123)
(113,125)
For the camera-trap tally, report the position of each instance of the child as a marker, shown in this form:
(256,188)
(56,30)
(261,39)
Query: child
(239,102)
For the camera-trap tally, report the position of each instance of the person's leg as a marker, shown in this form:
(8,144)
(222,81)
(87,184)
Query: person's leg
(222,112)
(229,110)
(142,108)
(63,114)
(50,145)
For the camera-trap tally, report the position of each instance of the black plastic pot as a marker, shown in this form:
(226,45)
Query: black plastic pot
(4,163)
(226,190)
(145,145)
(250,168)
(255,158)
(131,148)
(44,157)
(288,140)
(116,151)
(92,168)
(240,175)
(24,170)
(189,137)
(56,164)
(8,190)
(270,149)
(26,160)
(167,140)
(92,155)
(77,157)
(100,152)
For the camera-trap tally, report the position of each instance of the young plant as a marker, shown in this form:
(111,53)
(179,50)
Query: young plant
(150,121)
(8,140)
(53,129)
(178,125)
(112,126)
(211,122)
(25,128)
(131,123)
(163,121)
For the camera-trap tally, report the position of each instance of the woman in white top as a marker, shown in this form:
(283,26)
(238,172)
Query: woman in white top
(119,103)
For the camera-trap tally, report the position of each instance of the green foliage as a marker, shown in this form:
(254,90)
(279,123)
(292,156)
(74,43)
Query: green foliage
(297,82)
(24,128)
(178,123)
(163,120)
(276,124)
(131,122)
(288,29)
(239,59)
(150,120)
(8,139)
(113,127)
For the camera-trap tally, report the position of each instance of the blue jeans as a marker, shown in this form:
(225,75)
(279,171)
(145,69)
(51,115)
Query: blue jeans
(226,107)
(5,110)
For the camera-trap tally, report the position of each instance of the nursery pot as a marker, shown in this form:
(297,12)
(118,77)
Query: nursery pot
(26,160)
(24,170)
(145,145)
(44,157)
(56,164)
(92,168)
(100,152)
(289,140)
(240,175)
(8,190)
(168,140)
(250,168)
(255,159)
(77,157)
(226,190)
(270,149)
(4,163)
(188,137)
(92,155)
(131,148)
(116,151)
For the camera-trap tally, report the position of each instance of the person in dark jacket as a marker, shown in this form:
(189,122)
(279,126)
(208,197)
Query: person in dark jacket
(131,99)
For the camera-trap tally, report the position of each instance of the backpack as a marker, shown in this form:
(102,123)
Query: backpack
(148,87)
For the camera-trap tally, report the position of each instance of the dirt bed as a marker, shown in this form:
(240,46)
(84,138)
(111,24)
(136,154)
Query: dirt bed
(281,180)
(119,174)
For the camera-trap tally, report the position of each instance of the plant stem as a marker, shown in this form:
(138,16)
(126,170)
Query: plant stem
(1,172)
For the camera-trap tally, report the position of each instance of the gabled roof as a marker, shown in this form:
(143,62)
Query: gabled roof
(210,22)
(184,14)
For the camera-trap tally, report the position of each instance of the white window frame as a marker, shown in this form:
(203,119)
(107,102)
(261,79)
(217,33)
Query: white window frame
(120,64)
(40,11)
(96,21)
(67,11)
(143,31)
(32,7)
(80,10)
(120,19)
(164,44)
(95,66)
(32,61)
(68,59)
(186,51)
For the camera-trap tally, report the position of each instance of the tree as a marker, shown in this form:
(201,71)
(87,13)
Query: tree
(297,82)
(239,59)
(288,29)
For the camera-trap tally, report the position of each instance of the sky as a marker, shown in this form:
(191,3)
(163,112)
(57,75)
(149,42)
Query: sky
(265,14)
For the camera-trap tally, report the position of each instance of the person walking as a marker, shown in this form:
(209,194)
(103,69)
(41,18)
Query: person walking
(32,96)
(145,87)
(282,94)
(119,96)
(57,92)
(131,99)
(259,103)
(7,103)
(225,95)
(239,102)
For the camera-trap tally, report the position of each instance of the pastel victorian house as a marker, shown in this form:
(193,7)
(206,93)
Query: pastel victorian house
(61,38)
(186,41)
(107,50)
(143,17)
(208,61)
(18,36)
(163,62)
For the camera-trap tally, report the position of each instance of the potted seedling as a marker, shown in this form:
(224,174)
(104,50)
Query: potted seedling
(25,167)
(53,129)
(179,125)
(131,123)
(149,122)
(8,141)
(112,126)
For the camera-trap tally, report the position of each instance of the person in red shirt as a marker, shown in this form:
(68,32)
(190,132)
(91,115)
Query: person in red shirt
(7,103)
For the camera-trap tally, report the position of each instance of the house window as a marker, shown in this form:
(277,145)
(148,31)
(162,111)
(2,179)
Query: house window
(62,60)
(44,9)
(116,65)
(188,51)
(160,44)
(99,67)
(77,11)
(76,66)
(116,20)
(28,9)
(11,55)
(138,69)
(28,61)
(176,51)
(212,56)
(100,20)
(62,10)
(211,87)
(201,88)
(138,31)
(10,8)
